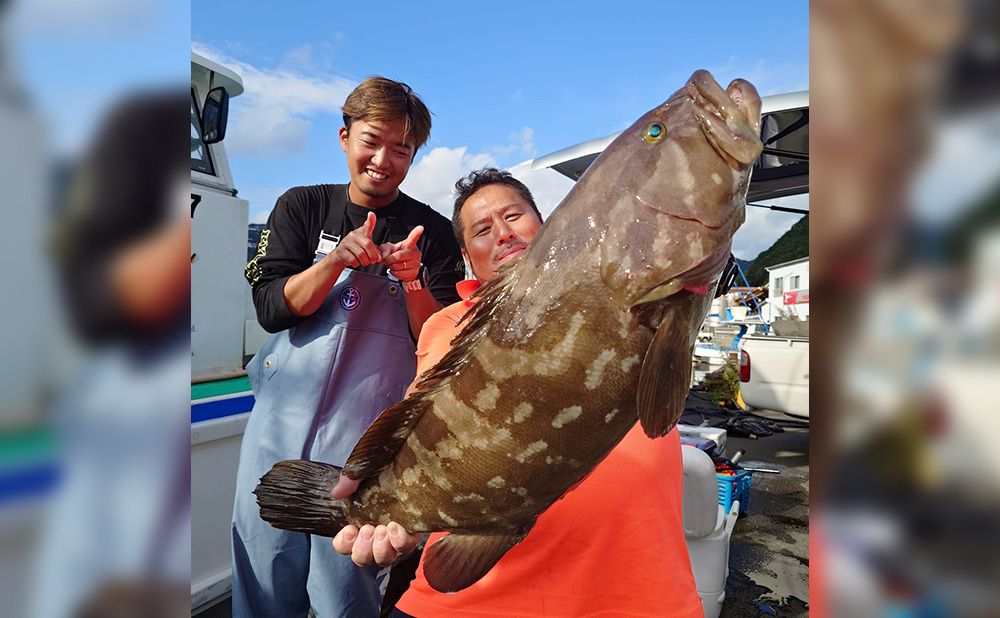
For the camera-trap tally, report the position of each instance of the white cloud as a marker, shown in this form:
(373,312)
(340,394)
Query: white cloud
(522,144)
(268,132)
(313,57)
(547,186)
(432,179)
(768,78)
(262,199)
(272,117)
(298,56)
(762,226)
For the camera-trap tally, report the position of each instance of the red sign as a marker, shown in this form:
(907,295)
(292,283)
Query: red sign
(798,297)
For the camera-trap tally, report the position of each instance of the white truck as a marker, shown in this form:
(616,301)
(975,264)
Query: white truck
(774,373)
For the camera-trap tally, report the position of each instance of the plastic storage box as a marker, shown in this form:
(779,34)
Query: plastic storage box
(734,487)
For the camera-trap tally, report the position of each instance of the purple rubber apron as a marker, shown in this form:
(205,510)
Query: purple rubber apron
(318,386)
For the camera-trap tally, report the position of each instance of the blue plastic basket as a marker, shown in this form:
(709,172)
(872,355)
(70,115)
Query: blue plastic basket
(732,488)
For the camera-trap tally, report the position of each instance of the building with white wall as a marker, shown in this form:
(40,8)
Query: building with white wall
(788,290)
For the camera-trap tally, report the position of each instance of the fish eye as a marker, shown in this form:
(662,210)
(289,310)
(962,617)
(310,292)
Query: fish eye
(654,133)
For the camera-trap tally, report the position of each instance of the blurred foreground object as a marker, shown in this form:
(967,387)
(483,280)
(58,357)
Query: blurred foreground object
(905,477)
(122,237)
(24,177)
(118,532)
(27,314)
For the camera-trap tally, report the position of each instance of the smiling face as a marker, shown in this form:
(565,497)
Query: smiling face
(497,224)
(378,159)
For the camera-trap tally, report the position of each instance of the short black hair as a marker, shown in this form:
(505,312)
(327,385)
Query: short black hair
(476,180)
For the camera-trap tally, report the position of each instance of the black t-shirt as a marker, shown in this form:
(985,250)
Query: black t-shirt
(289,242)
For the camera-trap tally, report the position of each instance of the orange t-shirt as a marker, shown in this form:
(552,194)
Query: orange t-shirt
(612,546)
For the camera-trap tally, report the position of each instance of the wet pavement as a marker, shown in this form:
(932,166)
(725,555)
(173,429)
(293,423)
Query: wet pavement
(769,553)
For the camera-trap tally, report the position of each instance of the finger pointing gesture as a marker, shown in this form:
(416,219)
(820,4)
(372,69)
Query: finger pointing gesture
(357,248)
(410,242)
(403,258)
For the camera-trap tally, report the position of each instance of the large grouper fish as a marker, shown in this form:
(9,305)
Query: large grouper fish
(591,329)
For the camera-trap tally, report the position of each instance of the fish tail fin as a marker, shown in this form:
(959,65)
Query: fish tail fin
(296,496)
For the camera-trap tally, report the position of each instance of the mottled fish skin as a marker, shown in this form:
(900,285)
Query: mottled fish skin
(548,386)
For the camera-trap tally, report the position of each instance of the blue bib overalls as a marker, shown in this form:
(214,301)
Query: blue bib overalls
(318,386)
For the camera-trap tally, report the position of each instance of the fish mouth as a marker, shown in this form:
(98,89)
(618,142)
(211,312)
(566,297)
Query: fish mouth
(730,118)
(707,269)
(673,215)
(698,279)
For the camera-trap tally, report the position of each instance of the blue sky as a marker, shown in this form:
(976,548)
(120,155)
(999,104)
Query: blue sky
(505,83)
(75,58)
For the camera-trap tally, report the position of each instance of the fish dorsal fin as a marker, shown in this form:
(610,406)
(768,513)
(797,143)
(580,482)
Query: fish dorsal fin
(459,560)
(665,377)
(491,298)
(383,439)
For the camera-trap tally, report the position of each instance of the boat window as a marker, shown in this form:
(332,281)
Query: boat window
(201,160)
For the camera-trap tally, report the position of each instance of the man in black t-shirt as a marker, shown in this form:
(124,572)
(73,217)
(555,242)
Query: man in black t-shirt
(330,220)
(345,276)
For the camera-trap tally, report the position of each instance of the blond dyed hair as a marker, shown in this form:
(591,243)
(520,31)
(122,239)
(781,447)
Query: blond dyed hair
(382,99)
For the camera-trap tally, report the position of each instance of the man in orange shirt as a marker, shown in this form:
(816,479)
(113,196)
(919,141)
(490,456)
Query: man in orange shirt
(613,545)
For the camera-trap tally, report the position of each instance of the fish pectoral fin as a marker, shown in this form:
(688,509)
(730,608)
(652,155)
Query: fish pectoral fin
(459,560)
(382,440)
(665,378)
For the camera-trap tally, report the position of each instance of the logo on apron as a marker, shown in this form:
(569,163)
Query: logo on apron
(350,298)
